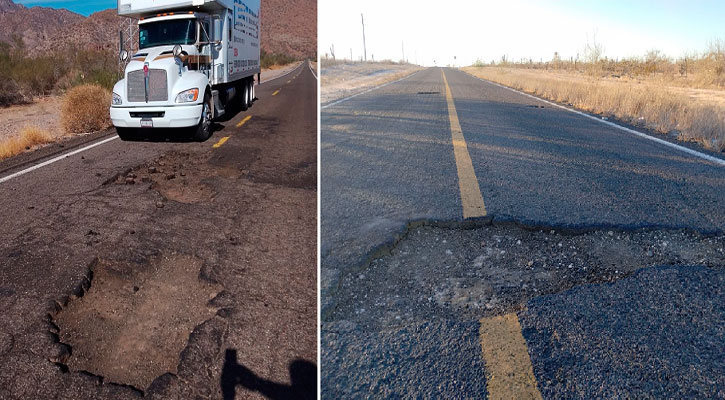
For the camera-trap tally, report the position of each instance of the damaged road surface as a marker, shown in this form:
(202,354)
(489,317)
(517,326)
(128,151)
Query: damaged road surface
(167,269)
(479,243)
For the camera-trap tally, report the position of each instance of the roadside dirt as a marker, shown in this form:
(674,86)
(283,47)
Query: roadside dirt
(135,320)
(344,79)
(43,113)
(496,269)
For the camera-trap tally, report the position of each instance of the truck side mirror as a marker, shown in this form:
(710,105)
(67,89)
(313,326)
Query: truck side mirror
(123,56)
(176,51)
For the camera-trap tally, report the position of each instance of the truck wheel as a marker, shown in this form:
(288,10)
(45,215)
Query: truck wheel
(250,97)
(243,100)
(126,133)
(203,130)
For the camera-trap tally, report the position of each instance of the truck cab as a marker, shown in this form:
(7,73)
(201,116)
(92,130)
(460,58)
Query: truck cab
(191,63)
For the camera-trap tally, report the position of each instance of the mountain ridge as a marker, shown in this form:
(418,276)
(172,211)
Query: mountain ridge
(287,27)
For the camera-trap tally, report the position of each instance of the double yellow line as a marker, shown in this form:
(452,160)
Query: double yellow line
(509,374)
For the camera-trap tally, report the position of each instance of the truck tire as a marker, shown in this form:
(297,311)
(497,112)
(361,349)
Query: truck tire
(126,133)
(250,97)
(243,99)
(202,131)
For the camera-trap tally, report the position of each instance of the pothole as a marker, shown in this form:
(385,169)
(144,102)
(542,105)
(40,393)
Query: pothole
(472,273)
(176,176)
(134,320)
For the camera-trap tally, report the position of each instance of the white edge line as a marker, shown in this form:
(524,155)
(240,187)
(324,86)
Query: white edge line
(695,153)
(52,160)
(309,64)
(366,91)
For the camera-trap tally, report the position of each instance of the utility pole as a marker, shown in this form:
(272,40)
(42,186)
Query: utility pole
(351,54)
(402,44)
(365,51)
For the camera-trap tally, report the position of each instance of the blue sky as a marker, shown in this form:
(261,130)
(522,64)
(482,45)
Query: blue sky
(86,8)
(487,29)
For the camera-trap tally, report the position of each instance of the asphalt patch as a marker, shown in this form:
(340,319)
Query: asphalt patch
(655,334)
(420,361)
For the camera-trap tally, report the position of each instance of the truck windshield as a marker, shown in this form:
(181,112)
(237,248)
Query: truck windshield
(177,31)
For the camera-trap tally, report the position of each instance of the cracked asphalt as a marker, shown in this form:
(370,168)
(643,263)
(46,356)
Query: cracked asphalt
(230,231)
(589,232)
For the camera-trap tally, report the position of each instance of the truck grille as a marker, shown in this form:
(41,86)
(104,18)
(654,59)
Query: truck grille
(157,86)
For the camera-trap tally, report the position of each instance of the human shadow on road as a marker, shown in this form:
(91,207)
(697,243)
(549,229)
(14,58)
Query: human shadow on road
(303,376)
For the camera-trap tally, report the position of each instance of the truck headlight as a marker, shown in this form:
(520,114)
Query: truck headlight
(187,96)
(116,100)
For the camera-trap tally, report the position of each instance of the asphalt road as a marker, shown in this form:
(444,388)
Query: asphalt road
(400,305)
(168,269)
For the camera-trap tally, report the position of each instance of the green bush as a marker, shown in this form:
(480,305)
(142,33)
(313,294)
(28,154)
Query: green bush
(51,73)
(270,59)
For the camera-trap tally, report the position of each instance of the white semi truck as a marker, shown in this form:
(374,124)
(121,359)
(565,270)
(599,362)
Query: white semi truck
(194,58)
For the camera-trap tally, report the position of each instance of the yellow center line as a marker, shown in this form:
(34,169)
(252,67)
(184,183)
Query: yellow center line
(509,374)
(221,142)
(275,92)
(247,118)
(471,197)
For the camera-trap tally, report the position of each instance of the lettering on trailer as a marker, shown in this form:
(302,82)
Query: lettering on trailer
(246,17)
(245,63)
(238,66)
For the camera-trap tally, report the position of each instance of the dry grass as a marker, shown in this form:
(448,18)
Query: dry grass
(658,108)
(85,109)
(30,136)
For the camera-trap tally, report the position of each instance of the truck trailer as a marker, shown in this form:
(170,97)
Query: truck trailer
(194,58)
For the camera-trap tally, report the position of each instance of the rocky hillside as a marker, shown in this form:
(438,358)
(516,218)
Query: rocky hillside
(35,26)
(288,27)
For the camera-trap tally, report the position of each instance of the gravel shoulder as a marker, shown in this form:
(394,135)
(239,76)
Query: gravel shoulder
(345,79)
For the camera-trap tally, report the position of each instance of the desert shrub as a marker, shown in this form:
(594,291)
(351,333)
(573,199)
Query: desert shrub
(85,109)
(270,59)
(10,92)
(29,136)
(51,73)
